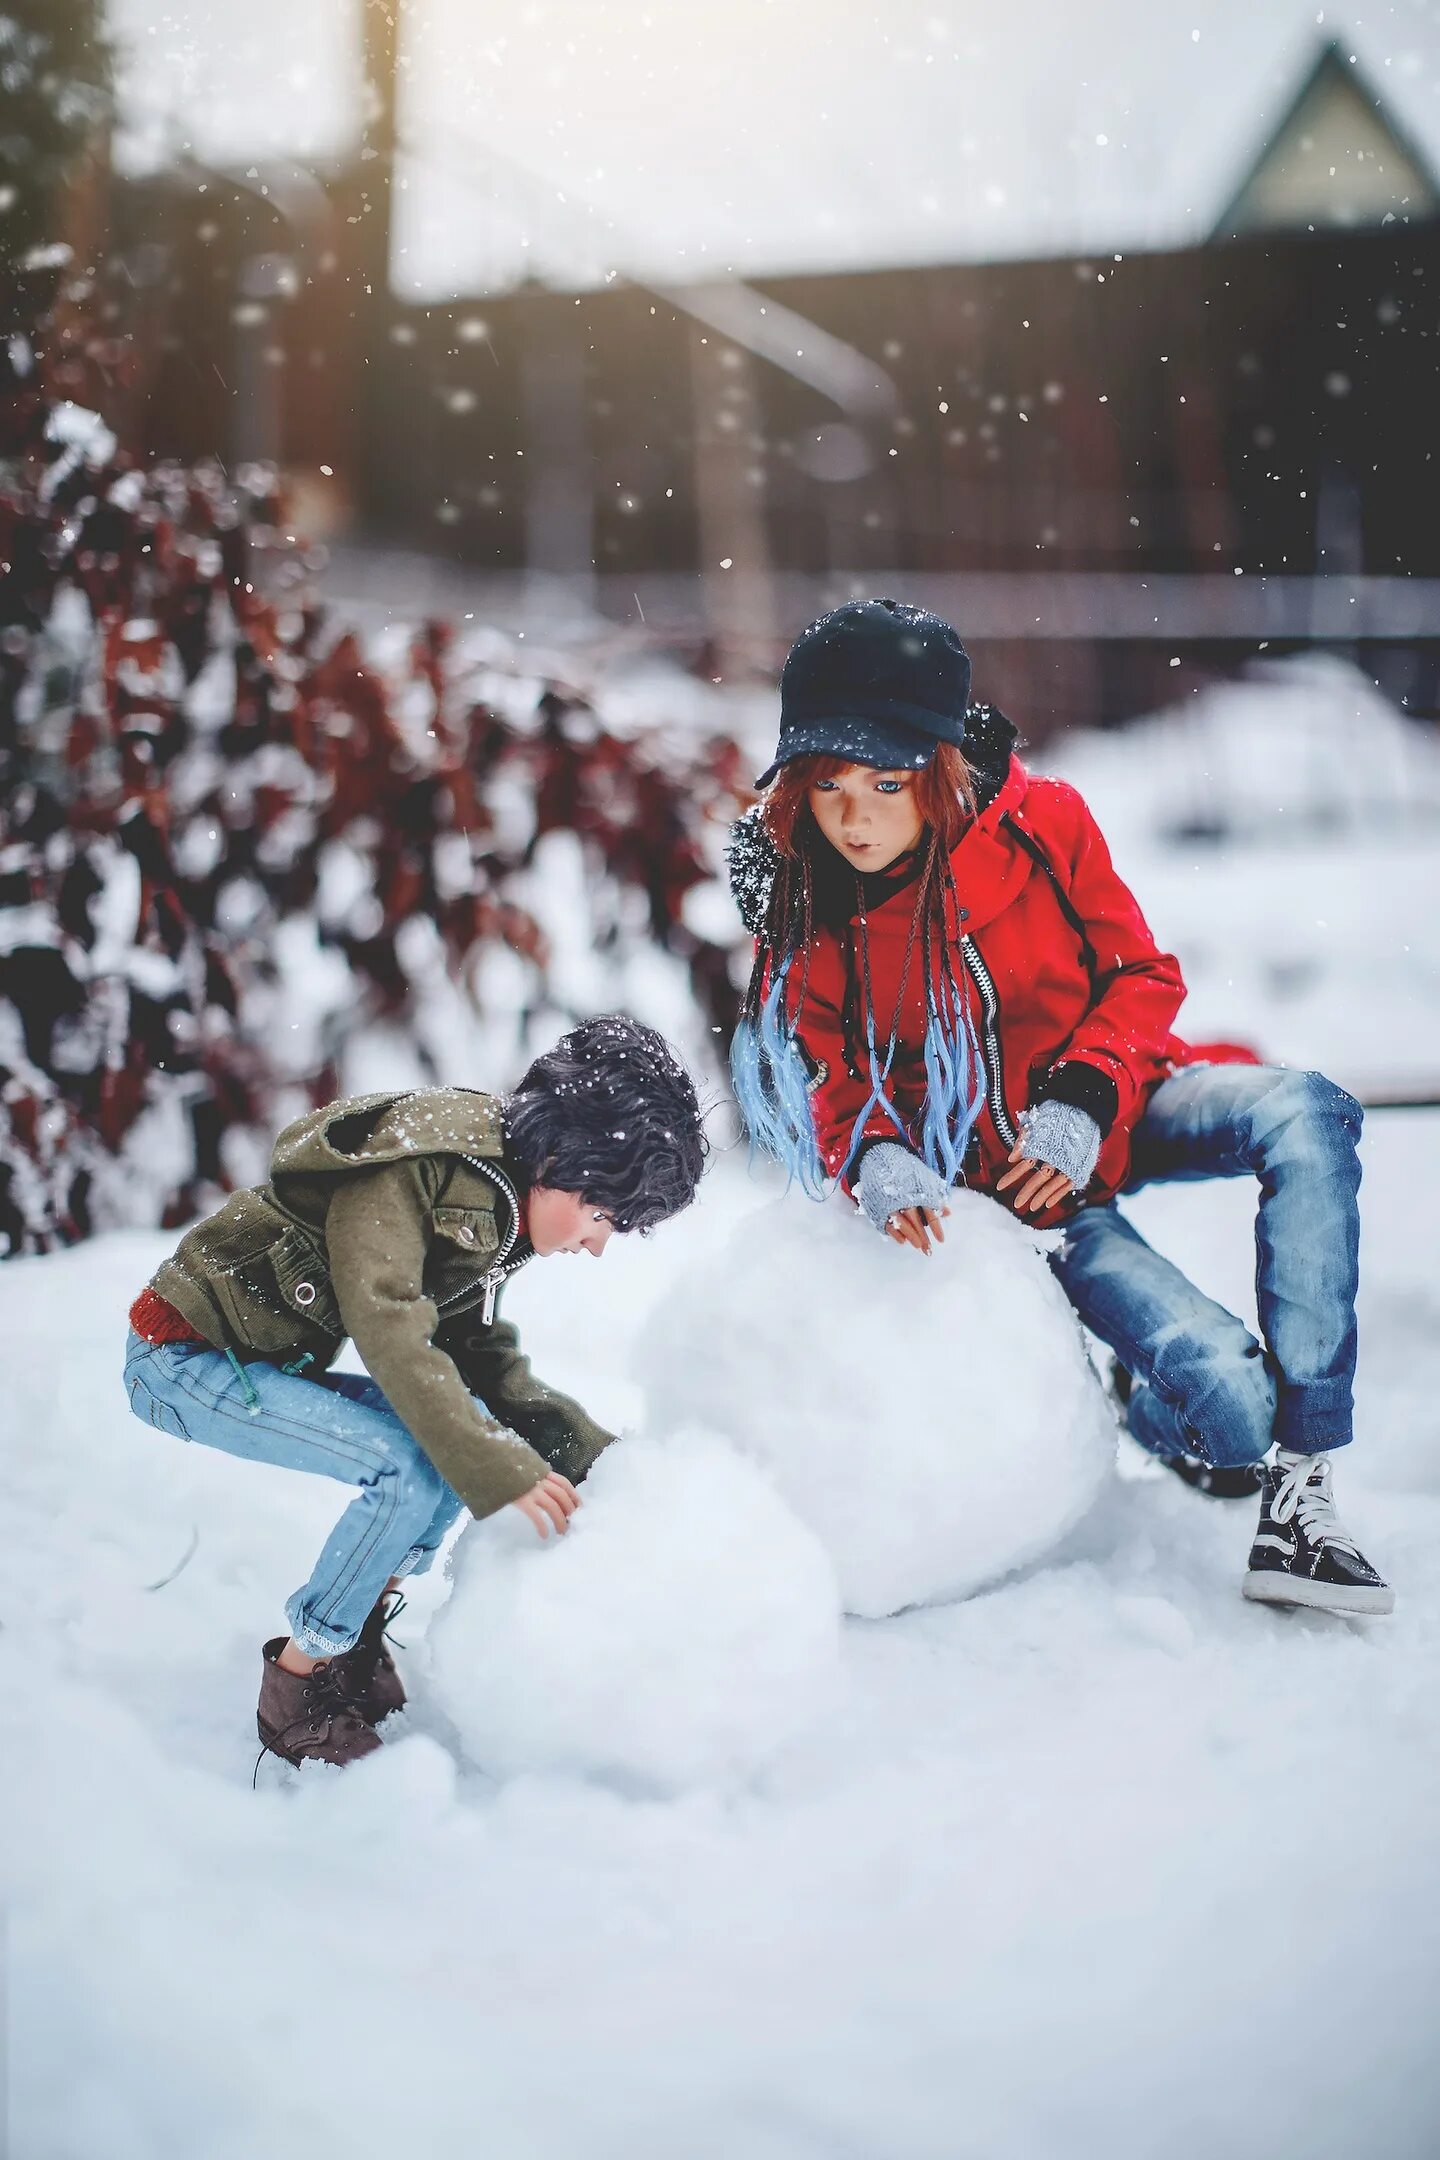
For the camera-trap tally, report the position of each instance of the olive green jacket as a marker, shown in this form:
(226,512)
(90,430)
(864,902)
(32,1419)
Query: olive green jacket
(392,1219)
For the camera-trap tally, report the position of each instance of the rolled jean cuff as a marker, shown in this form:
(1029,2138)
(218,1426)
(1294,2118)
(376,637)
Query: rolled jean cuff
(418,1561)
(1314,1420)
(317,1642)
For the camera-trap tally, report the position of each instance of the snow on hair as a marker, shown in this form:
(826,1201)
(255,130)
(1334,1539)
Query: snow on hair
(611,1113)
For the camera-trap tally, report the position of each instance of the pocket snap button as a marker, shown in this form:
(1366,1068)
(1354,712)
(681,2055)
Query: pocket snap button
(467,1235)
(304,1293)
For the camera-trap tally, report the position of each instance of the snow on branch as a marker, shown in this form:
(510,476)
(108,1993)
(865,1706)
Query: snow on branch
(236,847)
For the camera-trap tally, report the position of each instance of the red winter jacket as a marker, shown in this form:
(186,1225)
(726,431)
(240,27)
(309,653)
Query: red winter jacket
(1067,990)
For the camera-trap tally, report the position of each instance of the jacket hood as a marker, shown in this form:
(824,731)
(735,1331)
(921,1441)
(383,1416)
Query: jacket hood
(990,869)
(386,1128)
(1009,794)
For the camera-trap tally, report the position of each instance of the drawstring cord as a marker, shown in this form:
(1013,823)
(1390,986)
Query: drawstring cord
(247,1386)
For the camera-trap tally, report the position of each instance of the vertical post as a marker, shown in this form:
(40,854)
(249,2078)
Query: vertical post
(378,140)
(739,602)
(374,187)
(559,466)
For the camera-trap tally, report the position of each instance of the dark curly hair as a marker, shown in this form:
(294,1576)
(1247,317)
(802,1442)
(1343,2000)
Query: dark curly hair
(612,1114)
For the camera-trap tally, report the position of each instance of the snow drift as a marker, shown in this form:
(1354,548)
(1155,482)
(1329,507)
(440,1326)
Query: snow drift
(683,1629)
(1035,1816)
(937,1422)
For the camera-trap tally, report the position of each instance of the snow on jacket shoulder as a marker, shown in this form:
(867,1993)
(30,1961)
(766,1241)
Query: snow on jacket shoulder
(391,1218)
(1067,990)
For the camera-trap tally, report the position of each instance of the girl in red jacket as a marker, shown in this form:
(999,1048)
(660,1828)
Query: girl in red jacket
(952,986)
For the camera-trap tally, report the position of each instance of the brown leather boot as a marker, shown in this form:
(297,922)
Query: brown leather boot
(371,1681)
(311,1717)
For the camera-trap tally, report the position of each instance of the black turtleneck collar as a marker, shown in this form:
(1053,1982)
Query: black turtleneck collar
(839,888)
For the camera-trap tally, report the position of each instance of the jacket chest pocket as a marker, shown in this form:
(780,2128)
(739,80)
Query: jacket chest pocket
(461,1250)
(464,1238)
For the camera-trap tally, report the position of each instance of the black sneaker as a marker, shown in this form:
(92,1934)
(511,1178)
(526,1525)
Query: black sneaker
(1234,1481)
(1230,1481)
(1301,1554)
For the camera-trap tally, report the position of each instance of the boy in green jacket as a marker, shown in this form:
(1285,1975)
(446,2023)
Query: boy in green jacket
(395,1219)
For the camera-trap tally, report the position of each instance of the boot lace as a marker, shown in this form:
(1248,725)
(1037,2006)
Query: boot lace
(392,1611)
(328,1696)
(372,1645)
(1304,1494)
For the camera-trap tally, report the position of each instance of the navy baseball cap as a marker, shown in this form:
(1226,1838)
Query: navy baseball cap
(876,682)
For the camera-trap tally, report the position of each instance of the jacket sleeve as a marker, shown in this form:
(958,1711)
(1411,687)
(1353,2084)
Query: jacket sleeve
(494,1367)
(377,1234)
(1137,989)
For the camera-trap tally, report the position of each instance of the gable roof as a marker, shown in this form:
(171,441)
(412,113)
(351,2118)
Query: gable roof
(1334,157)
(570,143)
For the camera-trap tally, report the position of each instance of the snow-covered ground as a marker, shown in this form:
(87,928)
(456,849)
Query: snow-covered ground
(1103,1862)
(1283,834)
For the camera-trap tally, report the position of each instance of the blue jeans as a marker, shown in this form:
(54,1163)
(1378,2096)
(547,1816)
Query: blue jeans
(339,1426)
(1203,1384)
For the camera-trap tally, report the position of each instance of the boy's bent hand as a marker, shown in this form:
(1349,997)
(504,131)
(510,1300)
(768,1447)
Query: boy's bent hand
(553,1501)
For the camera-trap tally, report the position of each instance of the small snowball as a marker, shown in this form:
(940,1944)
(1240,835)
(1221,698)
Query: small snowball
(680,1633)
(936,1421)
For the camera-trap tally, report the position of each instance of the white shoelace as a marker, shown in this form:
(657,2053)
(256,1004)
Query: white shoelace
(1304,1491)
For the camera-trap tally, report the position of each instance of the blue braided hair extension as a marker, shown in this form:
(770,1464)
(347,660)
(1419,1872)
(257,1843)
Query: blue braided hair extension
(878,1099)
(879,1075)
(954,1089)
(772,1088)
(771,1078)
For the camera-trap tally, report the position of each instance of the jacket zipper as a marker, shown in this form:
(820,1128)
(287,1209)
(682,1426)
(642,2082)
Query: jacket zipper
(990,1040)
(497,1271)
(460,1300)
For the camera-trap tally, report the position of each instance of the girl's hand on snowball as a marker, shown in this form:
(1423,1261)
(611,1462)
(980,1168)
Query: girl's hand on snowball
(915,1226)
(553,1501)
(1041,1188)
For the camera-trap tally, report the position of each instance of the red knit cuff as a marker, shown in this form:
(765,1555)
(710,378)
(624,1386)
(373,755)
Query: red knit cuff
(155,1320)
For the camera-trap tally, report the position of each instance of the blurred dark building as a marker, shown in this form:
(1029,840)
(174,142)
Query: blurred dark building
(1100,467)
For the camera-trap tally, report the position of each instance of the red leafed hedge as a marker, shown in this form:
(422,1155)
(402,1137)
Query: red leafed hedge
(234,847)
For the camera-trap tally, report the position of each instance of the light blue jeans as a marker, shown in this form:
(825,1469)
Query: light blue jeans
(1203,1384)
(338,1426)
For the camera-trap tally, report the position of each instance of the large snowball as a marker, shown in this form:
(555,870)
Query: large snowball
(683,1629)
(936,1421)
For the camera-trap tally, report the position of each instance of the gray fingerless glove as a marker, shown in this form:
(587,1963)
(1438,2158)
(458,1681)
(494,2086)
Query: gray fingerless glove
(1066,1138)
(891,1178)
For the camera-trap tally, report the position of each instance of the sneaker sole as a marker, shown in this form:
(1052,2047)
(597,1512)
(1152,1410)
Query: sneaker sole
(1276,1589)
